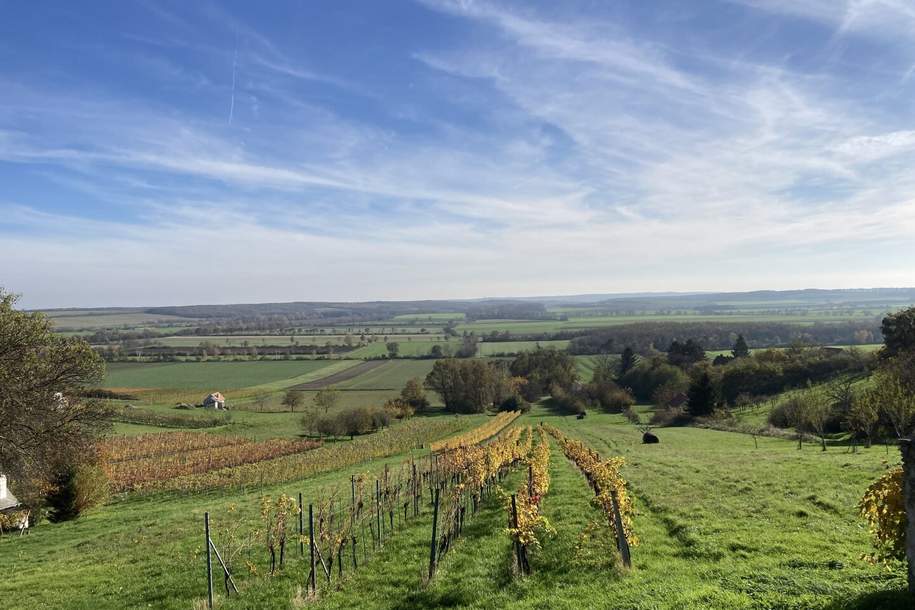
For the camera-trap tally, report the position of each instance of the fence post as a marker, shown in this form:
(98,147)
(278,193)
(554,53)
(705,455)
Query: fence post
(311,545)
(432,549)
(301,528)
(517,543)
(908,491)
(206,529)
(378,519)
(621,543)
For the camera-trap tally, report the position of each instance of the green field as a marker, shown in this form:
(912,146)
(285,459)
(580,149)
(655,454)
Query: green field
(209,375)
(391,375)
(109,318)
(583,322)
(722,524)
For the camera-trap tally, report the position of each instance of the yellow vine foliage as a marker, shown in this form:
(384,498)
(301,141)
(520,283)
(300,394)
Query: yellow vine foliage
(531,520)
(604,477)
(883,506)
(478,434)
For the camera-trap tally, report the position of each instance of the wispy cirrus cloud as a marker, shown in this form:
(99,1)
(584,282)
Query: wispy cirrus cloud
(534,149)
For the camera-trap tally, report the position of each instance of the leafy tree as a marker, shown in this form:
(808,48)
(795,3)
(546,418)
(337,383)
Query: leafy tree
(898,333)
(393,349)
(628,360)
(605,369)
(644,379)
(414,395)
(741,349)
(437,351)
(685,354)
(469,346)
(292,399)
(466,386)
(44,426)
(327,398)
(863,416)
(817,413)
(544,368)
(895,401)
(702,396)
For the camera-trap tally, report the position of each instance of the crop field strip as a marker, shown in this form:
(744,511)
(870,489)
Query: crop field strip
(340,377)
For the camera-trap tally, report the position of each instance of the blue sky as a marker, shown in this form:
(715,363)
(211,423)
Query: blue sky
(157,152)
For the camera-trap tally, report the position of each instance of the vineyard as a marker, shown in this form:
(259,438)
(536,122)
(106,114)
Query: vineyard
(132,463)
(399,438)
(479,434)
(324,540)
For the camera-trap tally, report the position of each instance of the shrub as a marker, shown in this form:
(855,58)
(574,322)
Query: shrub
(76,488)
(673,416)
(515,403)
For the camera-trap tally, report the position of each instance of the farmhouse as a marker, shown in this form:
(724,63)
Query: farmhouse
(214,401)
(8,501)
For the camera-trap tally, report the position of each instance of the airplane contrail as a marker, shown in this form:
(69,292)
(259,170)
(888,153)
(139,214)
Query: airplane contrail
(234,70)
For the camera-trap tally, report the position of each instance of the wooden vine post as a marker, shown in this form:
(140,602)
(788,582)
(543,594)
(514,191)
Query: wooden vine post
(908,490)
(432,546)
(301,528)
(621,543)
(206,529)
(312,577)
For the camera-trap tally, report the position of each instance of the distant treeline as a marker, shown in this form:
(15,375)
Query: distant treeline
(647,336)
(113,353)
(508,310)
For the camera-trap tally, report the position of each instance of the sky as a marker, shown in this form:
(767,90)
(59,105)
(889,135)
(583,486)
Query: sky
(156,152)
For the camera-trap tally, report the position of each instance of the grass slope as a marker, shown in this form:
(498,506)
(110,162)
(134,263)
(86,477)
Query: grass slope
(723,524)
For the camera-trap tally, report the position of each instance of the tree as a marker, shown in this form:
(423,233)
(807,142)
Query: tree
(469,346)
(817,412)
(605,369)
(628,360)
(437,351)
(44,425)
(863,416)
(292,399)
(327,398)
(685,354)
(414,395)
(393,349)
(898,333)
(466,386)
(701,396)
(544,368)
(894,400)
(741,349)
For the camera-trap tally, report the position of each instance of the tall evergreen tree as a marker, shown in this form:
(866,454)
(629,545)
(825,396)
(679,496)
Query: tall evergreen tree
(701,396)
(741,349)
(628,360)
